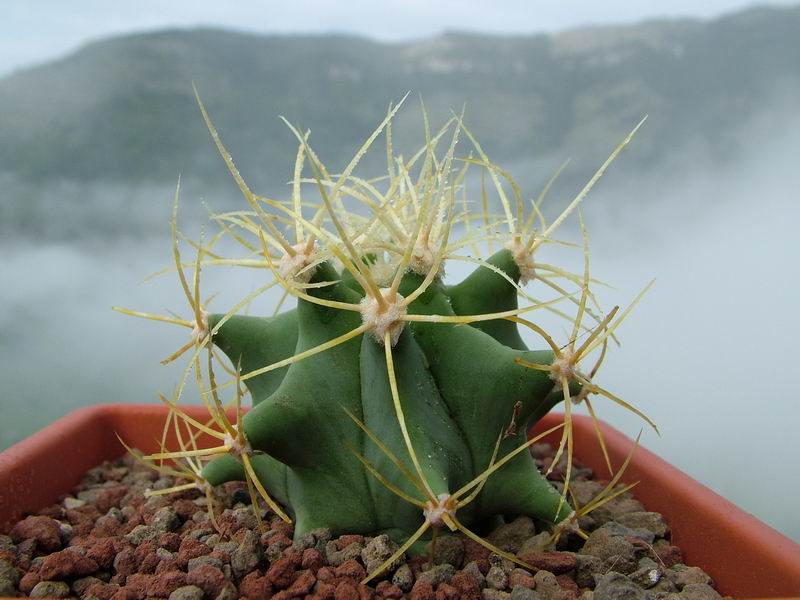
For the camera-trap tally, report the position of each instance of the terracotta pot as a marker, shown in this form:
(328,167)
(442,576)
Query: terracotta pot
(745,557)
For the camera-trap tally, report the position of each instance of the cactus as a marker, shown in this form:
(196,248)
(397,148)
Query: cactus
(388,400)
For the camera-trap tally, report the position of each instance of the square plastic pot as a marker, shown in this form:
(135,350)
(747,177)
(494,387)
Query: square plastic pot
(746,558)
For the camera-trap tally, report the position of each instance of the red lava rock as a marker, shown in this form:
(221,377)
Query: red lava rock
(124,594)
(279,538)
(125,563)
(281,526)
(169,541)
(185,509)
(54,511)
(102,591)
(103,552)
(82,520)
(44,530)
(293,555)
(144,550)
(352,569)
(191,548)
(325,574)
(467,586)
(209,579)
(87,510)
(302,585)
(165,566)
(346,591)
(555,562)
(228,525)
(28,582)
(568,584)
(422,590)
(190,525)
(164,584)
(474,551)
(191,494)
(324,591)
(106,526)
(417,564)
(135,501)
(110,498)
(445,591)
(521,577)
(255,587)
(281,573)
(137,585)
(221,556)
(66,563)
(345,540)
(670,555)
(312,559)
(365,593)
(149,564)
(146,557)
(135,520)
(391,591)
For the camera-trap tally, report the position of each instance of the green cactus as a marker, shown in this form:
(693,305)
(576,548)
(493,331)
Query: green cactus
(388,401)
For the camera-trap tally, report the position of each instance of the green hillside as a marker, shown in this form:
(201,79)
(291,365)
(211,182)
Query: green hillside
(120,111)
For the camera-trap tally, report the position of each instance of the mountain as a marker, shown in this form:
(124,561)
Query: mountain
(119,113)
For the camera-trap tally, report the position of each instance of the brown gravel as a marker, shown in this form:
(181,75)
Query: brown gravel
(106,541)
(44,530)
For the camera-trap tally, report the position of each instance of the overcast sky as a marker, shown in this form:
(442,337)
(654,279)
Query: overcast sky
(33,31)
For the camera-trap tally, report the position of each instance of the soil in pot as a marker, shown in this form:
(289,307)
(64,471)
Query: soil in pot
(108,541)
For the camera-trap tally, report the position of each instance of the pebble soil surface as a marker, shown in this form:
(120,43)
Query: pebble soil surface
(107,541)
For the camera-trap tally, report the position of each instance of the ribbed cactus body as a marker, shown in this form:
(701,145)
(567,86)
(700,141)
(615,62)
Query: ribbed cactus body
(459,385)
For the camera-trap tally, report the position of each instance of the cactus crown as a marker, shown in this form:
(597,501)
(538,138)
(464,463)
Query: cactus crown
(387,400)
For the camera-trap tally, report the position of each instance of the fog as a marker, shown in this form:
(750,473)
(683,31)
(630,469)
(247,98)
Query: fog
(708,354)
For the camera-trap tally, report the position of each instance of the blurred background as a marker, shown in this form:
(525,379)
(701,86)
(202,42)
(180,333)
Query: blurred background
(97,119)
